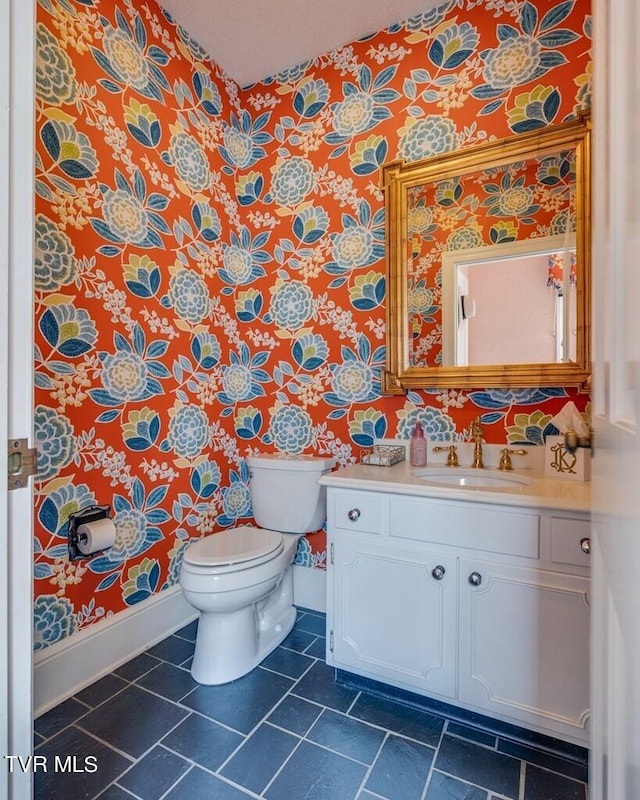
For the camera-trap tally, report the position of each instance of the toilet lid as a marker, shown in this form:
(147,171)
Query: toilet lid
(234,547)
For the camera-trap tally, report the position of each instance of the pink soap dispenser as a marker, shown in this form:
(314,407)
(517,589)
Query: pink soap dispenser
(418,447)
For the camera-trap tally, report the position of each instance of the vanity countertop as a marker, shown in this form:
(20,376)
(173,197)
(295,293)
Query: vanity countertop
(539,491)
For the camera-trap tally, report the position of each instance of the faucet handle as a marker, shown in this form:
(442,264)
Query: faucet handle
(505,458)
(452,458)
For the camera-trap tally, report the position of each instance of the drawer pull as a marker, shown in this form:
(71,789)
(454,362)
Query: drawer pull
(438,572)
(475,579)
(585,545)
(354,514)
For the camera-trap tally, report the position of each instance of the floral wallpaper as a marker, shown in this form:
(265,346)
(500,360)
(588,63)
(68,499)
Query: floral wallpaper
(522,200)
(210,265)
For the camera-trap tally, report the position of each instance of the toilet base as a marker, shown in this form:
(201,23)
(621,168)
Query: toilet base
(230,645)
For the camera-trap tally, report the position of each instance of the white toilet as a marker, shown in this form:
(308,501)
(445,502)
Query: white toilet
(241,579)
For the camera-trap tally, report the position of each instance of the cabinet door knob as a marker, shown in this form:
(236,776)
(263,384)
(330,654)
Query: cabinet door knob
(475,579)
(438,572)
(585,545)
(354,514)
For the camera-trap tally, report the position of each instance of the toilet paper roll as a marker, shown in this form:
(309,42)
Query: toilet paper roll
(97,535)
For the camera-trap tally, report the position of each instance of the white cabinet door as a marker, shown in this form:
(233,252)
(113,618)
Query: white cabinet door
(524,645)
(394,614)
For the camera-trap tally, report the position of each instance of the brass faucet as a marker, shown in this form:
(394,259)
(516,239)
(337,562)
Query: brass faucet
(452,458)
(505,459)
(477,434)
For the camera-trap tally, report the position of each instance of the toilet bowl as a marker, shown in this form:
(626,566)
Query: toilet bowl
(241,579)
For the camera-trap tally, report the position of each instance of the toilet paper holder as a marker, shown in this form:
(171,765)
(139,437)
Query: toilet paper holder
(83,517)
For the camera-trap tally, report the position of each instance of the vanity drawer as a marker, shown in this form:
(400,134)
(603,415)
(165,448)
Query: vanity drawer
(567,537)
(468,525)
(358,511)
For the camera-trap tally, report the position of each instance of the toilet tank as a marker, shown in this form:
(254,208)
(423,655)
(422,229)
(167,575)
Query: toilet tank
(285,493)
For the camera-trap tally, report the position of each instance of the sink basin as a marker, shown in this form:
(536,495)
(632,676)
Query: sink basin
(471,479)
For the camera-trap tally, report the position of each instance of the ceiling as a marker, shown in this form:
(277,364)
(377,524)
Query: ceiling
(254,39)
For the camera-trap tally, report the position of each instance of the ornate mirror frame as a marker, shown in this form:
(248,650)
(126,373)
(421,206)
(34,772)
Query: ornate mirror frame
(398,178)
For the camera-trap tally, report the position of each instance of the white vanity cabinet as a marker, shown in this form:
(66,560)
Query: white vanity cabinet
(477,604)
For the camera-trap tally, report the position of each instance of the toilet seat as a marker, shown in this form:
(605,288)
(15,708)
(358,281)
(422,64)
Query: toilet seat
(238,548)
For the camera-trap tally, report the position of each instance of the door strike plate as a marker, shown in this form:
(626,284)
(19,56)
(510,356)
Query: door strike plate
(22,461)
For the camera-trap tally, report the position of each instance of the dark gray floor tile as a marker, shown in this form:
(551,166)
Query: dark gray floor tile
(476,735)
(399,718)
(540,784)
(134,720)
(201,785)
(203,741)
(579,772)
(298,640)
(314,773)
(100,763)
(189,631)
(317,649)
(287,662)
(479,765)
(150,778)
(260,757)
(400,772)
(59,717)
(295,714)
(444,787)
(115,792)
(347,736)
(168,680)
(173,649)
(319,685)
(136,667)
(240,704)
(101,690)
(312,624)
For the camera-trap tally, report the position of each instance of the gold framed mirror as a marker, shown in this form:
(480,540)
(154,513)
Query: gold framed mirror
(488,264)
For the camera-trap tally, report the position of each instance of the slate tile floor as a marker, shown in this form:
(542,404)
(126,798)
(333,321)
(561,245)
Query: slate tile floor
(286,731)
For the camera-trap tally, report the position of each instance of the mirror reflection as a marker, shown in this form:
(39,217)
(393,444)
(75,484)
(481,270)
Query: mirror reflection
(488,264)
(507,304)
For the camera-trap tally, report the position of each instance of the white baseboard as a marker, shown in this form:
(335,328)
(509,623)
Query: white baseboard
(68,666)
(310,588)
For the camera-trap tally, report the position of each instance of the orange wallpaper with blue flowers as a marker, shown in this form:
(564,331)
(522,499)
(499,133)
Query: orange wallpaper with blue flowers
(210,264)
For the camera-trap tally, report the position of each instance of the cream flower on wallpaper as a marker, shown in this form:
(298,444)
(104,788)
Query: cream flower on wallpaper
(292,305)
(54,441)
(125,216)
(419,219)
(190,161)
(515,201)
(352,381)
(353,247)
(354,114)
(55,75)
(126,58)
(291,429)
(421,138)
(131,530)
(189,296)
(239,147)
(124,375)
(188,431)
(238,264)
(465,238)
(292,181)
(514,62)
(237,382)
(54,256)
